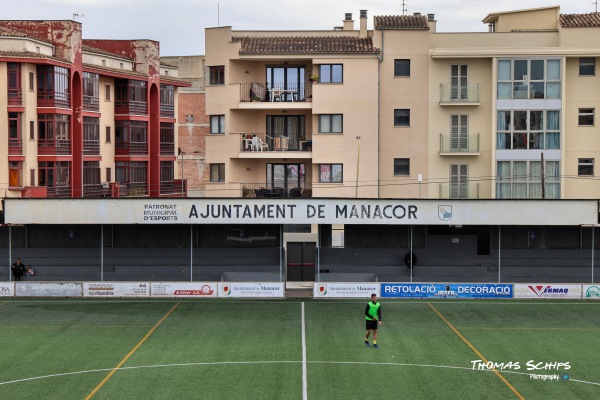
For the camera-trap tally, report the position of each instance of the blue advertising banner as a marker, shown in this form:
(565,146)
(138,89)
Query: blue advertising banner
(448,290)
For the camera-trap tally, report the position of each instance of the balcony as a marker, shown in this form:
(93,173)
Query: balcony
(58,192)
(97,190)
(454,95)
(15,147)
(138,189)
(91,147)
(459,145)
(129,148)
(458,191)
(50,98)
(167,148)
(131,107)
(91,103)
(262,92)
(174,188)
(167,110)
(268,190)
(54,146)
(15,97)
(261,142)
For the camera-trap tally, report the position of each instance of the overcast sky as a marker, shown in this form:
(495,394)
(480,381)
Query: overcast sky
(179,24)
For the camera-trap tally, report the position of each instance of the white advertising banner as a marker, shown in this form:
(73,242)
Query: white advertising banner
(546,291)
(183,289)
(301,211)
(116,289)
(48,289)
(356,290)
(7,289)
(591,292)
(251,289)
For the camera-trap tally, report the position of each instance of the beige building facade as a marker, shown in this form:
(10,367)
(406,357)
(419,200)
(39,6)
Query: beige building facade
(404,111)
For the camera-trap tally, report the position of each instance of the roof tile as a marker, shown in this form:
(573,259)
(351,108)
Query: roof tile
(591,20)
(408,22)
(305,45)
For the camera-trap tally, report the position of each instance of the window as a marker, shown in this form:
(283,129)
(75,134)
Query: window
(91,173)
(217,172)
(401,166)
(91,91)
(132,173)
(459,82)
(523,180)
(459,132)
(587,66)
(331,173)
(14,83)
(108,174)
(54,174)
(401,67)
(167,172)
(31,81)
(528,129)
(107,92)
(286,176)
(14,173)
(31,130)
(217,124)
(331,123)
(402,117)
(53,86)
(216,75)
(586,117)
(585,167)
(131,137)
(107,139)
(32,177)
(91,135)
(167,101)
(529,79)
(331,73)
(459,181)
(14,133)
(167,138)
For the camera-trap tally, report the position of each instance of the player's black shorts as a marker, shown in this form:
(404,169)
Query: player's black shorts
(371,325)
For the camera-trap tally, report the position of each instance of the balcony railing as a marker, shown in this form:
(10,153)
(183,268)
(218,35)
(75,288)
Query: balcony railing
(451,94)
(459,144)
(126,148)
(91,103)
(58,192)
(50,98)
(269,189)
(54,146)
(167,148)
(139,189)
(97,190)
(459,191)
(167,110)
(131,107)
(175,187)
(91,146)
(15,97)
(15,146)
(275,142)
(261,92)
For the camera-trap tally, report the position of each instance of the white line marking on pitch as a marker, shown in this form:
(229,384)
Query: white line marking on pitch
(304,384)
(272,362)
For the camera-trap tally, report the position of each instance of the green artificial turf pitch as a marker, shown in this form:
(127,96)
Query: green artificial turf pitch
(292,349)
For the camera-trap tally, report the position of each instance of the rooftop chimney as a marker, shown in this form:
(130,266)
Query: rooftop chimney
(363,24)
(348,22)
(432,23)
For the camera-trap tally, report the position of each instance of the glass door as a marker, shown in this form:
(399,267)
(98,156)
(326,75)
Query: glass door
(286,83)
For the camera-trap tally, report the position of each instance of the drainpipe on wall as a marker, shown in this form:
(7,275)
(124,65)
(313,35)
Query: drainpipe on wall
(379,61)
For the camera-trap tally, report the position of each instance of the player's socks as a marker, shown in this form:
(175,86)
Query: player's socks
(367,342)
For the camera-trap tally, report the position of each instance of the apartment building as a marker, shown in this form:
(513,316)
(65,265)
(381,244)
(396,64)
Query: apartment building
(404,111)
(85,118)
